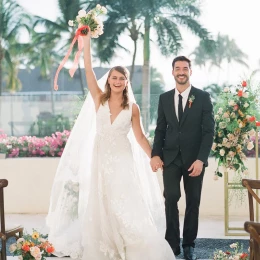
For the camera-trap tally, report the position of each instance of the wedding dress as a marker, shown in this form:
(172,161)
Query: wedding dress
(118,221)
(106,202)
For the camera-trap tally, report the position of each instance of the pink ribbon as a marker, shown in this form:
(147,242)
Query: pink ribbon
(78,37)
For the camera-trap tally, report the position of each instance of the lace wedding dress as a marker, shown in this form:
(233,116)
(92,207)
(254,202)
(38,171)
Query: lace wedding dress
(118,224)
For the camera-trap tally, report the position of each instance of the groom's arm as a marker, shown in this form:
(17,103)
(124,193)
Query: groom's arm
(160,131)
(208,125)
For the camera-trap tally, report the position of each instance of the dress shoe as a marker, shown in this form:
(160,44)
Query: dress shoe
(176,250)
(188,252)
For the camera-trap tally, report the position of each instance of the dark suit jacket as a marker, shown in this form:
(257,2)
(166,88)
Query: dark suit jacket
(193,137)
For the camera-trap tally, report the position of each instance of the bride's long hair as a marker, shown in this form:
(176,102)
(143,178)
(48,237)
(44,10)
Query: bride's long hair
(107,93)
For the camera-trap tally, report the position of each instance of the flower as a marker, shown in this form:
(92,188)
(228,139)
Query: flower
(234,128)
(31,146)
(31,247)
(235,254)
(91,20)
(71,23)
(244,84)
(191,100)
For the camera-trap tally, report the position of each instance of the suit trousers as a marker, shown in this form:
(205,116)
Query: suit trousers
(172,175)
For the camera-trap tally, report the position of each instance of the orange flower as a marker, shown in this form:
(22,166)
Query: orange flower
(244,256)
(25,248)
(252,119)
(244,84)
(50,249)
(240,93)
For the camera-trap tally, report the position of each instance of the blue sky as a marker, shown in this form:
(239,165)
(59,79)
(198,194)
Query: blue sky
(237,18)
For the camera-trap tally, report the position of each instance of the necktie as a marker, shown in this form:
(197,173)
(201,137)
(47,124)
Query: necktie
(180,109)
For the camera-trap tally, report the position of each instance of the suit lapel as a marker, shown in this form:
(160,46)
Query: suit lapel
(172,102)
(187,108)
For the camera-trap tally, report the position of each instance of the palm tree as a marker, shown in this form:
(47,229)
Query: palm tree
(225,49)
(13,20)
(56,37)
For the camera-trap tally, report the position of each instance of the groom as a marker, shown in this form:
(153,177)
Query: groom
(182,143)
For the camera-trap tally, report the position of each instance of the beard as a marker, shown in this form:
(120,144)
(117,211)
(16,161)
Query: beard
(181,81)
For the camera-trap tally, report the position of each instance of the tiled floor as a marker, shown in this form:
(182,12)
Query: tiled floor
(210,226)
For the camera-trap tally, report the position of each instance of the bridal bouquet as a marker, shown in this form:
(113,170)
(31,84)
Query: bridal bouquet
(86,22)
(34,246)
(235,127)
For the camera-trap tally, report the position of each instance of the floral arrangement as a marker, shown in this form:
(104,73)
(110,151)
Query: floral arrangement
(89,21)
(236,253)
(235,126)
(31,146)
(34,246)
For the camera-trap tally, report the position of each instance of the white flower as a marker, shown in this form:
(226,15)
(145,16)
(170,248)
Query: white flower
(71,23)
(231,102)
(20,240)
(222,125)
(103,10)
(240,125)
(35,251)
(98,6)
(224,141)
(231,137)
(217,117)
(220,110)
(82,13)
(246,105)
(222,152)
(234,245)
(226,89)
(245,94)
(251,132)
(250,146)
(20,257)
(78,18)
(12,248)
(213,146)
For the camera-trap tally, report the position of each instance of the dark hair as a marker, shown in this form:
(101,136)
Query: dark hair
(106,95)
(181,58)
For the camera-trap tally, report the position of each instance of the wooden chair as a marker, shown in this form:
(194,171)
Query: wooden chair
(252,185)
(11,231)
(253,228)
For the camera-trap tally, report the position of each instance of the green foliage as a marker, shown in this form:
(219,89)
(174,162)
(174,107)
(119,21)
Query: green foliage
(48,123)
(235,125)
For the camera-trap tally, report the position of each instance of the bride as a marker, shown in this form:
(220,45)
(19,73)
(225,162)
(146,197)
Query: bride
(106,203)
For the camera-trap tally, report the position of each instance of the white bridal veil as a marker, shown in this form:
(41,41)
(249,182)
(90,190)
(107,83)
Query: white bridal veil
(69,195)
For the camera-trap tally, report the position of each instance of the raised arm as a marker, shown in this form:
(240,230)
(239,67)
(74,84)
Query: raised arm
(95,91)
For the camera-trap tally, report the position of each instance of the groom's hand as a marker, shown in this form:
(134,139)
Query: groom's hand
(156,163)
(196,168)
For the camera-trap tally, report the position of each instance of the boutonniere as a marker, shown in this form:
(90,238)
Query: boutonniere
(191,100)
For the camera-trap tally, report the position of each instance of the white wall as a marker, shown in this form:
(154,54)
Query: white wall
(30,181)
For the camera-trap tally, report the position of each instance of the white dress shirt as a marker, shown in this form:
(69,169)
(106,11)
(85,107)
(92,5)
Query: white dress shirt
(185,95)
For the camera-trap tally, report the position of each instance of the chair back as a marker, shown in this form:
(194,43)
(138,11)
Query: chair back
(253,228)
(3,184)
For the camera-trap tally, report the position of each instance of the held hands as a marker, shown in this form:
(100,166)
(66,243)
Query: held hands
(156,163)
(196,168)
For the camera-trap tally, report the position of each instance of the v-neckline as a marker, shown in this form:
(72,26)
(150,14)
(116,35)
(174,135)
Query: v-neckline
(111,123)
